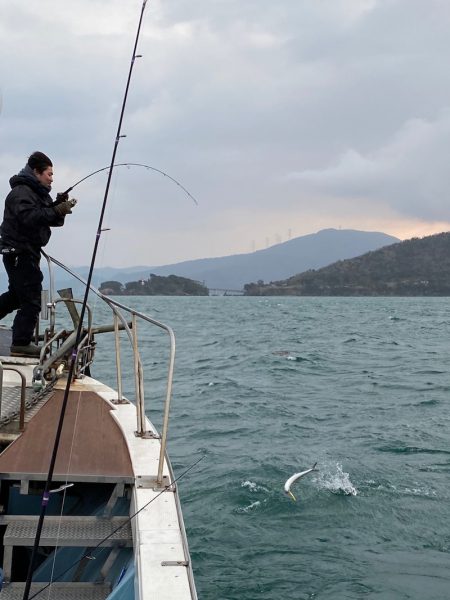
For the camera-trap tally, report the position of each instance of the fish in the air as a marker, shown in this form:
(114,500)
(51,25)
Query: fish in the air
(293,478)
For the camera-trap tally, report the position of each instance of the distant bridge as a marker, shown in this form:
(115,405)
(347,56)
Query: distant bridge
(225,292)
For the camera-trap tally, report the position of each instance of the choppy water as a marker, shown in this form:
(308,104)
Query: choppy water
(265,388)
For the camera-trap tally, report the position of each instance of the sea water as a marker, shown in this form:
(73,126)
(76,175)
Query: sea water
(264,388)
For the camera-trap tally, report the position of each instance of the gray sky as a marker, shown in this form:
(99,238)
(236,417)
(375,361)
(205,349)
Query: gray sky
(281,118)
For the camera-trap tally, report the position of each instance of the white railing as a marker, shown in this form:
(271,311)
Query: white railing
(120,322)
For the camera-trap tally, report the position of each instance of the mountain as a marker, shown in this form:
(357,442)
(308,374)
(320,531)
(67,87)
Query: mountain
(277,262)
(280,261)
(415,267)
(232,272)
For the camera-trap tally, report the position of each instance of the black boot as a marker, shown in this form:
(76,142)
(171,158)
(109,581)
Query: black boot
(30,350)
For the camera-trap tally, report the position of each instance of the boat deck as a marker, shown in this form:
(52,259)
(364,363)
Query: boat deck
(106,453)
(96,452)
(112,498)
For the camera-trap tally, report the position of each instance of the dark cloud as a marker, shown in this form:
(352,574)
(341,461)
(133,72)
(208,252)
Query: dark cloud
(276,116)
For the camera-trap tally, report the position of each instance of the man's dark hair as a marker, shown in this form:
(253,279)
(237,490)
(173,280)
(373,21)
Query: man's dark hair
(39,161)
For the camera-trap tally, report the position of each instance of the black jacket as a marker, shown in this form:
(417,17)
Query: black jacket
(28,215)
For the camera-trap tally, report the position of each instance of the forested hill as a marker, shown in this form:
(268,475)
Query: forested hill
(155,285)
(415,267)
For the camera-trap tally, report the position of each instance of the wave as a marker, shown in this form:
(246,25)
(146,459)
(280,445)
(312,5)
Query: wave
(288,355)
(253,487)
(402,490)
(432,402)
(411,450)
(250,507)
(336,480)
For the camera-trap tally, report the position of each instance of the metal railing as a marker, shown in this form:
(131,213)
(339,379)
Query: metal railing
(120,322)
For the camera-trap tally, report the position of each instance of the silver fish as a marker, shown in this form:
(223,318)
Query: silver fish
(293,478)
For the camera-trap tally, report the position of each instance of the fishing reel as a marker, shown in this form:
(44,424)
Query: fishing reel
(64,197)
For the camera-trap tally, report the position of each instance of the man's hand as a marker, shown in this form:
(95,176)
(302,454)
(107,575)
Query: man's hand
(61,197)
(63,208)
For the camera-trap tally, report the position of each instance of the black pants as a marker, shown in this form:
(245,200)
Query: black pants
(24,294)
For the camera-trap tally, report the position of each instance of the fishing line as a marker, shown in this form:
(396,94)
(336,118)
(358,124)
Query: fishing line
(132,164)
(74,358)
(64,490)
(74,564)
(102,250)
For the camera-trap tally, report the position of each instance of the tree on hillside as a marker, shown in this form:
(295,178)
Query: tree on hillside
(156,285)
(410,268)
(111,287)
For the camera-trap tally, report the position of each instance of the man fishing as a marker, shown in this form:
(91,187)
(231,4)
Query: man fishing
(29,214)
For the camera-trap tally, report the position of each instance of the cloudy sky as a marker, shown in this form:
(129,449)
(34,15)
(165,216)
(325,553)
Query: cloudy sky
(281,118)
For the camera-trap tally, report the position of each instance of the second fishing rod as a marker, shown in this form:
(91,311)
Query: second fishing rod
(74,357)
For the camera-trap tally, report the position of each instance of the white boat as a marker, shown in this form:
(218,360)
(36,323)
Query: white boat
(113,526)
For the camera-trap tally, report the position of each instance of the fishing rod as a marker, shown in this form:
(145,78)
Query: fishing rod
(90,555)
(132,164)
(74,357)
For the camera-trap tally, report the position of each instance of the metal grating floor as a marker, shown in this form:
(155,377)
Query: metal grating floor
(10,403)
(59,591)
(11,400)
(70,531)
